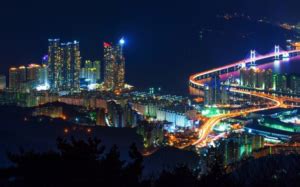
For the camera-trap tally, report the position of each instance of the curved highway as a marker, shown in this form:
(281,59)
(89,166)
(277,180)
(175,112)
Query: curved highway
(207,127)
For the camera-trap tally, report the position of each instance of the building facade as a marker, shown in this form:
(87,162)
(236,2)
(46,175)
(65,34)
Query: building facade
(64,63)
(114,72)
(91,72)
(215,94)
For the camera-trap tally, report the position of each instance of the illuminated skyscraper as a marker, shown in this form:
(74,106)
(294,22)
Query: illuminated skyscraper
(75,66)
(64,65)
(65,51)
(54,64)
(214,93)
(114,61)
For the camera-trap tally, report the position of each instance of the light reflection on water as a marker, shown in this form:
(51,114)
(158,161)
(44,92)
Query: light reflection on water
(288,66)
(276,65)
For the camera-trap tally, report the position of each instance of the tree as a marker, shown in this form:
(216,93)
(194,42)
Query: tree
(76,162)
(180,176)
(134,170)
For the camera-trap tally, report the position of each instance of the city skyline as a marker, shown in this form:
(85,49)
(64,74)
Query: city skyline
(150,93)
(148,35)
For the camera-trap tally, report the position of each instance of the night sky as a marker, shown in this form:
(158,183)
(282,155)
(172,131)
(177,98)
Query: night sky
(151,28)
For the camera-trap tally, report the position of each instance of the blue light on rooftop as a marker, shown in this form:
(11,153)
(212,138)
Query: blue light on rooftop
(122,41)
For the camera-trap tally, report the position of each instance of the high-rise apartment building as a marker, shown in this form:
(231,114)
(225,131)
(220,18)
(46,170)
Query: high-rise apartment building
(33,74)
(17,78)
(257,78)
(75,66)
(26,78)
(54,63)
(114,61)
(64,62)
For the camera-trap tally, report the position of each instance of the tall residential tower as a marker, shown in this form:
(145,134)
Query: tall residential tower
(63,65)
(114,61)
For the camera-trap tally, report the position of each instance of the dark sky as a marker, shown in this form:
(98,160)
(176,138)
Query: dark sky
(26,25)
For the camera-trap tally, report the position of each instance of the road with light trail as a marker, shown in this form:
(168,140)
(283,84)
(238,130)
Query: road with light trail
(208,126)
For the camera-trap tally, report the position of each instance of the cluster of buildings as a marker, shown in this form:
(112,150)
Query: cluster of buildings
(114,111)
(176,112)
(26,78)
(280,125)
(64,77)
(153,134)
(268,80)
(50,111)
(233,148)
(62,70)
(239,146)
(126,110)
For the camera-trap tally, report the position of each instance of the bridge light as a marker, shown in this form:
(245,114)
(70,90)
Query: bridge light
(285,55)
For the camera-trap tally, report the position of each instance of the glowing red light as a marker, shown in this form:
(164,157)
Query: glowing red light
(105,44)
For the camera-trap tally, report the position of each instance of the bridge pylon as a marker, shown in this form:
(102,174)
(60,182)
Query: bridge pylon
(252,57)
(277,52)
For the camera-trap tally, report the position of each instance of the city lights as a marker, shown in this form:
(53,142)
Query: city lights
(43,87)
(181,93)
(245,80)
